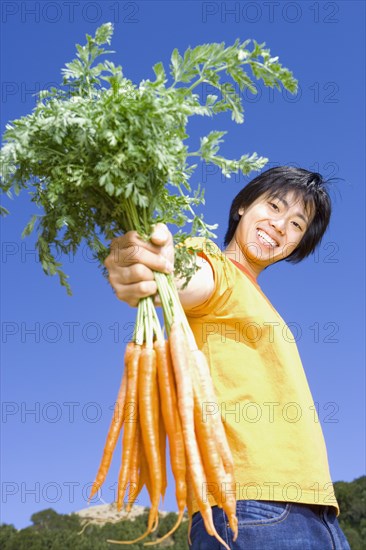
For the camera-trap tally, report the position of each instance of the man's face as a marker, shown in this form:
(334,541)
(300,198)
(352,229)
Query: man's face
(271,228)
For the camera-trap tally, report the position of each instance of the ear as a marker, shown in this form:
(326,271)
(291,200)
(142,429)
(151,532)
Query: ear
(241,211)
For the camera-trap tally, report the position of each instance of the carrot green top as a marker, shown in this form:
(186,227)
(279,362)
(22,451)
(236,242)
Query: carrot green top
(262,391)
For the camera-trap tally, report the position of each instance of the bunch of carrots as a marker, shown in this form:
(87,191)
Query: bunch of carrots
(164,384)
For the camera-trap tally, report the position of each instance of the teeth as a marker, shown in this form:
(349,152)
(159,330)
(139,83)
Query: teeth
(266,237)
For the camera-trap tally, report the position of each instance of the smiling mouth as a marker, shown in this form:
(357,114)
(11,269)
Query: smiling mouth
(266,239)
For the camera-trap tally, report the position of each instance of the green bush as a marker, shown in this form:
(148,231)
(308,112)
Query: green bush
(351,497)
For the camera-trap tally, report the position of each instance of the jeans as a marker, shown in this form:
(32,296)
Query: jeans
(270,525)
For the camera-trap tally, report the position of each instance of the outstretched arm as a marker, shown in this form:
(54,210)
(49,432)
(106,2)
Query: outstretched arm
(131,262)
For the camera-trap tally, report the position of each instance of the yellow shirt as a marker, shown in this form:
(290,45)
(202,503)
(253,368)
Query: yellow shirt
(262,392)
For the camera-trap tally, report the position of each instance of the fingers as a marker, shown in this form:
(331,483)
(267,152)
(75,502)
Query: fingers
(161,235)
(129,275)
(132,283)
(131,294)
(138,254)
(132,260)
(130,249)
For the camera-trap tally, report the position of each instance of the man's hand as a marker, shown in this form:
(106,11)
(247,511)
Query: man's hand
(131,262)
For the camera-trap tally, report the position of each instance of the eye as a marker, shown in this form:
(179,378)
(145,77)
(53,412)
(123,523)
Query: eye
(297,225)
(274,205)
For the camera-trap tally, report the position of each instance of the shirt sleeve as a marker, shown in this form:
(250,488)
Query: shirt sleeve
(208,250)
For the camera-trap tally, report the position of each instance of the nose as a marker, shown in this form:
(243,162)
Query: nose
(279,225)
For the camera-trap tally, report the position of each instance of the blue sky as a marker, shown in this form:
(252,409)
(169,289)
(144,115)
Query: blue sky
(62,357)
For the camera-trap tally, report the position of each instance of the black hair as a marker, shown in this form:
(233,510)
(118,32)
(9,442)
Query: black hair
(276,183)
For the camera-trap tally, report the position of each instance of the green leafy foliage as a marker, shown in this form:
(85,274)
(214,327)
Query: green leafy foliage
(54,531)
(101,155)
(351,497)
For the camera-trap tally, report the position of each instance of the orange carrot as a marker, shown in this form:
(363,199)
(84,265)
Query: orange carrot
(149,414)
(149,421)
(168,403)
(162,443)
(130,423)
(172,422)
(134,470)
(207,394)
(207,443)
(181,357)
(143,475)
(114,428)
(204,374)
(189,504)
